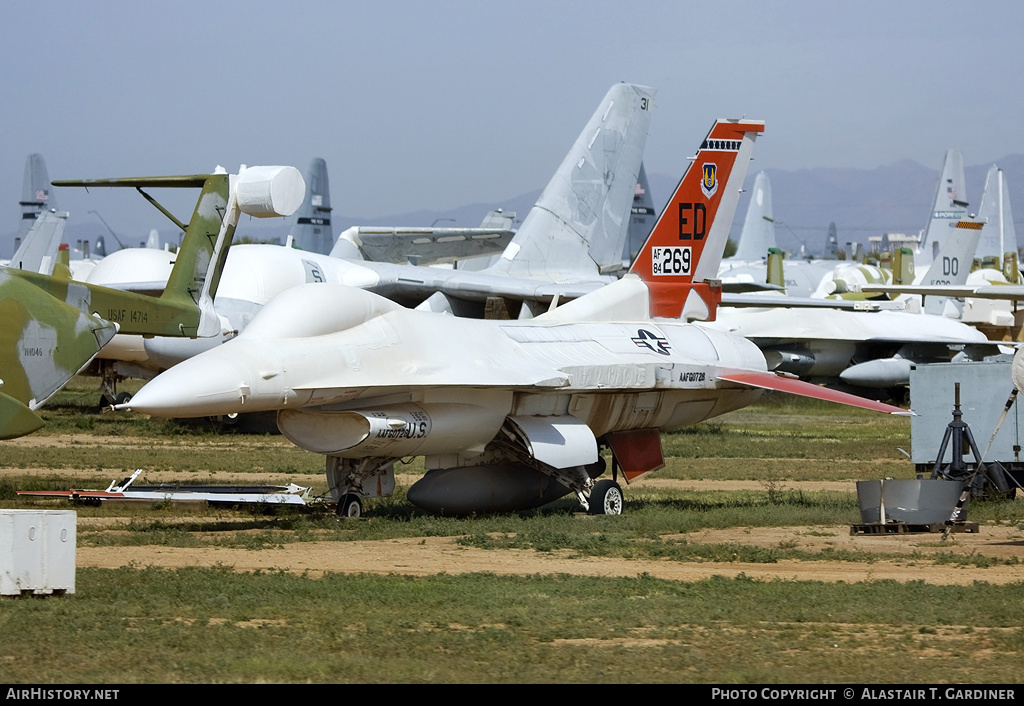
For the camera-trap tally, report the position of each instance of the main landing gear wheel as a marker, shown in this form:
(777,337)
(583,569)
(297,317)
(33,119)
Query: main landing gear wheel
(350,506)
(606,498)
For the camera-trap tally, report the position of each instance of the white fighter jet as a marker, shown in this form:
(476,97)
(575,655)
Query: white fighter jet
(509,415)
(570,243)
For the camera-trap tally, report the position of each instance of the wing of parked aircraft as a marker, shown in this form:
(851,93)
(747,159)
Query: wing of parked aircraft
(426,245)
(508,414)
(52,326)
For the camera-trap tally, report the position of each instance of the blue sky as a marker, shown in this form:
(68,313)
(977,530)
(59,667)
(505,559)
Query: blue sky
(443,103)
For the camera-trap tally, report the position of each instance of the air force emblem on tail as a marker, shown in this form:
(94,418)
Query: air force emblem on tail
(709,179)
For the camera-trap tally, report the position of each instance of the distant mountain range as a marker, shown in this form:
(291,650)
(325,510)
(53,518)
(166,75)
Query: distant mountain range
(861,202)
(865,202)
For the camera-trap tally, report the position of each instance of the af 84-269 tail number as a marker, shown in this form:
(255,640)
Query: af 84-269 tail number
(672,260)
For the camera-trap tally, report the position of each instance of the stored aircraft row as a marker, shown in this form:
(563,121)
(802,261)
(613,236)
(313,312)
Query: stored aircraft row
(509,414)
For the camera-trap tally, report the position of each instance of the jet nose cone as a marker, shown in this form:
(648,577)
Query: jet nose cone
(195,388)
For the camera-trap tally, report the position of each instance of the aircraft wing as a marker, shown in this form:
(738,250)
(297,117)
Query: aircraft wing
(1012,292)
(750,299)
(411,285)
(771,381)
(736,287)
(425,246)
(1009,292)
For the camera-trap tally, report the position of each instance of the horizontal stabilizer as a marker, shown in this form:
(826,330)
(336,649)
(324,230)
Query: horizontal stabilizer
(771,381)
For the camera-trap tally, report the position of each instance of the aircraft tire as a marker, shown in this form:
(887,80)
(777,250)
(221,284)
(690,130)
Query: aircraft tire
(606,498)
(350,506)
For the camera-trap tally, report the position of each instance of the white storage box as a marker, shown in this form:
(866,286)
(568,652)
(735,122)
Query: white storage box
(37,551)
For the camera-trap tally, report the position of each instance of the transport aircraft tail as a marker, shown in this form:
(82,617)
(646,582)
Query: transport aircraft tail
(641,220)
(311,224)
(948,207)
(36,194)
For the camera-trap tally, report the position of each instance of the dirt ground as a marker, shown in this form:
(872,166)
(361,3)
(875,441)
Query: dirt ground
(424,555)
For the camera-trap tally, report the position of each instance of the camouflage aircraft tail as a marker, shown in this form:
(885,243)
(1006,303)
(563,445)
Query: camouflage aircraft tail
(578,224)
(52,326)
(311,224)
(682,255)
(186,306)
(44,342)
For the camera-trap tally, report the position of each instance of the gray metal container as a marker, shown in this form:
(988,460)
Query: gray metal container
(919,502)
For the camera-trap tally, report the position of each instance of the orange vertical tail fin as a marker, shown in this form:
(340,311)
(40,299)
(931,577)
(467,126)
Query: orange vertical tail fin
(679,262)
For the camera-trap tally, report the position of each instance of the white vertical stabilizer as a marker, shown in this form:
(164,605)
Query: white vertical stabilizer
(948,207)
(578,225)
(758,232)
(998,236)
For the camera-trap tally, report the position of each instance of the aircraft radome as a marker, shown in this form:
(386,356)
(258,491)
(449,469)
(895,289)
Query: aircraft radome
(509,415)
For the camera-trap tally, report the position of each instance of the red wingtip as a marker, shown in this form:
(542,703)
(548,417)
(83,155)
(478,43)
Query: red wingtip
(771,381)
